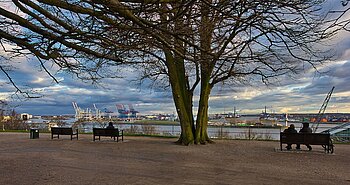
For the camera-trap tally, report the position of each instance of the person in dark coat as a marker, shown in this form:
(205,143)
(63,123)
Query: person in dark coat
(305,129)
(110,125)
(290,129)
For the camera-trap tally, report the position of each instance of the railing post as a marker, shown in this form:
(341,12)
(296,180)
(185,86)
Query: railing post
(221,131)
(249,133)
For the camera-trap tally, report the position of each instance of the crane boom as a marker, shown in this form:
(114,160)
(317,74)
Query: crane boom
(321,111)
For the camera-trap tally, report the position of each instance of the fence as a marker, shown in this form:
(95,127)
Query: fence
(215,132)
(221,132)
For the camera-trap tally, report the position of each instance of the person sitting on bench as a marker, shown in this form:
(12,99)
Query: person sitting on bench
(110,126)
(305,129)
(290,129)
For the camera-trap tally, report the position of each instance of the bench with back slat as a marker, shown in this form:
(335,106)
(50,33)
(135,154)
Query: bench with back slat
(63,131)
(107,132)
(307,139)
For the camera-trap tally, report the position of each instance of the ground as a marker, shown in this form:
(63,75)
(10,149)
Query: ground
(144,160)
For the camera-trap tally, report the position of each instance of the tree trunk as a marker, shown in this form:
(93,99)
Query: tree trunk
(182,97)
(182,93)
(201,135)
(207,66)
(183,103)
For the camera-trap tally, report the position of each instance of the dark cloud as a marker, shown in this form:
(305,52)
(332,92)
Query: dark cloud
(303,94)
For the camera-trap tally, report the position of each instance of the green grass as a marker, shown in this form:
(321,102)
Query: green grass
(22,131)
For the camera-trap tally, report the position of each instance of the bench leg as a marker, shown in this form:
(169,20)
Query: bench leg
(281,145)
(326,148)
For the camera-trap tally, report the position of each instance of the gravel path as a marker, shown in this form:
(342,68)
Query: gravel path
(143,160)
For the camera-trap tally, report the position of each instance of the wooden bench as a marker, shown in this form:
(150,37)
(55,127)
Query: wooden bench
(308,138)
(108,133)
(63,131)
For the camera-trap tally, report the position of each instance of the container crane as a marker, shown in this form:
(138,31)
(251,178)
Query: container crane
(83,114)
(321,111)
(133,111)
(98,113)
(126,113)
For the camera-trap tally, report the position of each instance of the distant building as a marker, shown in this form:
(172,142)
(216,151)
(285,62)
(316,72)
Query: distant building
(25,116)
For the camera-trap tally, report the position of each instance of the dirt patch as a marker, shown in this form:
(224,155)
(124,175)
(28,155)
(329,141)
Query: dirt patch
(143,160)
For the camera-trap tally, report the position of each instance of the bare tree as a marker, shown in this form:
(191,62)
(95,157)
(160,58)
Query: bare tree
(186,45)
(343,19)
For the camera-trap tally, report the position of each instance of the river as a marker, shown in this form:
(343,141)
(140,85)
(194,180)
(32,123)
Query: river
(229,132)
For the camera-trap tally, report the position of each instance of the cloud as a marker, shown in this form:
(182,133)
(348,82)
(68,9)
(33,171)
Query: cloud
(304,92)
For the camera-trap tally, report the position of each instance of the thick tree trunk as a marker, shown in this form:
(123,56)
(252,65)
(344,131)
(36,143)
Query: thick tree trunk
(207,66)
(201,135)
(182,93)
(183,103)
(179,82)
(182,97)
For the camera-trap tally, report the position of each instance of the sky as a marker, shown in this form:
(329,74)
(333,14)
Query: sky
(304,93)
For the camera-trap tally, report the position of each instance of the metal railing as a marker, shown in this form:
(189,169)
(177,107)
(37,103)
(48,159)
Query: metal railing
(215,132)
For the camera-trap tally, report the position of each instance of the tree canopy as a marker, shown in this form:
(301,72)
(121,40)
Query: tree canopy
(185,45)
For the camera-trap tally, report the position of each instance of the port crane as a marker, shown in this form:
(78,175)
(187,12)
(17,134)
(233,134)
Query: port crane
(126,113)
(98,113)
(86,114)
(321,111)
(80,113)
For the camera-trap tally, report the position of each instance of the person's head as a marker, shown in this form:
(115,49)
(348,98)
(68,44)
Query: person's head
(305,124)
(110,124)
(292,126)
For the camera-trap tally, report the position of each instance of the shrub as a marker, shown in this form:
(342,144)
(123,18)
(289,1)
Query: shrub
(149,129)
